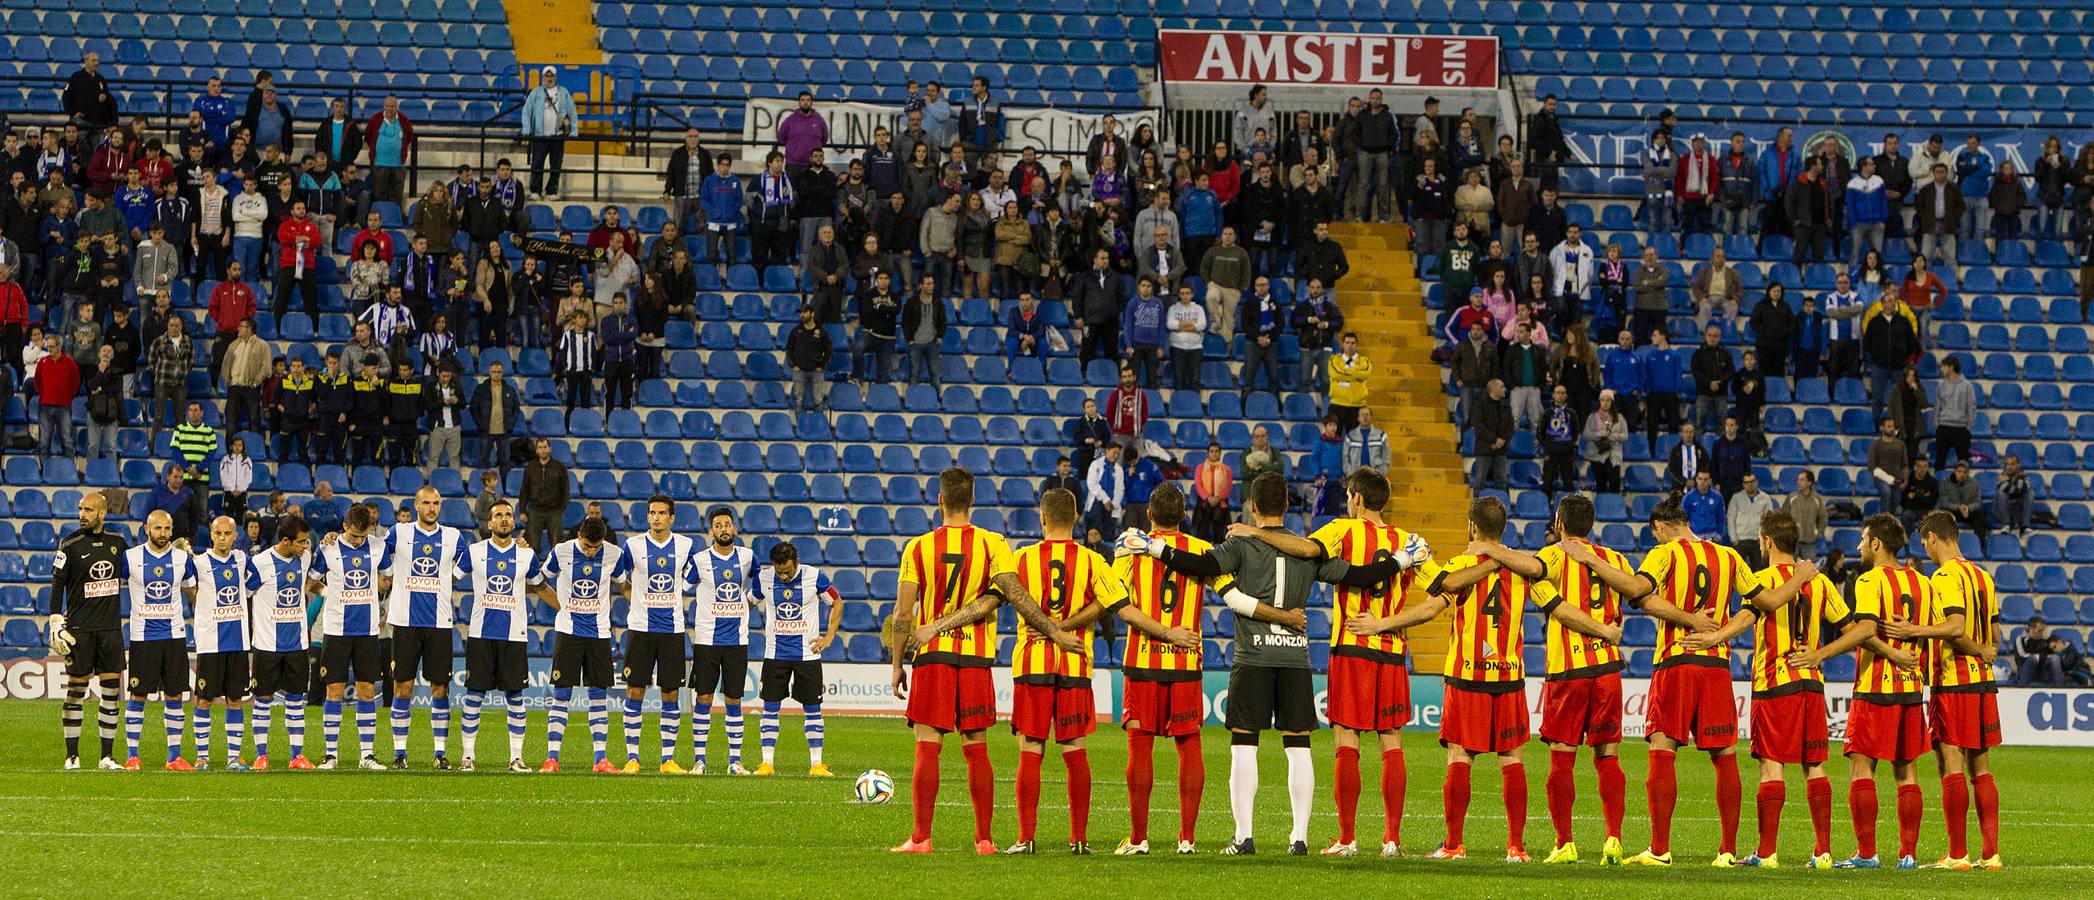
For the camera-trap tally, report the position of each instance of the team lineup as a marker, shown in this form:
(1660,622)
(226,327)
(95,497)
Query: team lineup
(1925,645)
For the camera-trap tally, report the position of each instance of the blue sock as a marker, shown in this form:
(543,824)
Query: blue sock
(440,723)
(814,726)
(632,728)
(172,716)
(331,725)
(517,724)
(134,724)
(294,722)
(556,725)
(469,720)
(734,731)
(672,719)
(403,717)
(767,731)
(235,732)
(599,721)
(264,712)
(367,725)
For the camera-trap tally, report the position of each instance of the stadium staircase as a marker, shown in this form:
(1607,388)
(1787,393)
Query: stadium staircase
(1428,493)
(553,31)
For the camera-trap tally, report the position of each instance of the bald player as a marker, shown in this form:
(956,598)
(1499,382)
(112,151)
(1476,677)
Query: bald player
(158,578)
(419,564)
(86,599)
(222,621)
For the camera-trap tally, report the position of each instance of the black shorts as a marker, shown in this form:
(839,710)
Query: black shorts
(581,661)
(339,655)
(95,652)
(425,651)
(222,676)
(725,668)
(1262,697)
(160,667)
(287,672)
(654,659)
(801,681)
(496,665)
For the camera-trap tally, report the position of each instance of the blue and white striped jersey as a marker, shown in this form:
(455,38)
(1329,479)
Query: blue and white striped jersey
(799,612)
(349,573)
(221,602)
(276,589)
(583,584)
(721,616)
(155,581)
(499,577)
(662,578)
(424,569)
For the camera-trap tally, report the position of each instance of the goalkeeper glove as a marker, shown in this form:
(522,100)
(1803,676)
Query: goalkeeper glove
(61,640)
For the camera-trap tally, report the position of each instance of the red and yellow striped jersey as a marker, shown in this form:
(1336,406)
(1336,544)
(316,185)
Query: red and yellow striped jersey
(1064,576)
(951,566)
(1360,542)
(1880,595)
(1484,654)
(1170,598)
(1800,625)
(1574,655)
(1960,586)
(1697,576)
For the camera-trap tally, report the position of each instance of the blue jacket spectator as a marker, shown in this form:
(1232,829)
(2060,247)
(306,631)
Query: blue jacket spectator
(722,199)
(1143,480)
(1777,168)
(1705,512)
(1621,371)
(1866,202)
(534,111)
(1974,169)
(1199,214)
(1142,321)
(1660,369)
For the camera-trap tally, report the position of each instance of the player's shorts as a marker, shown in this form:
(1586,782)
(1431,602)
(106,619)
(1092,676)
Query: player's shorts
(344,659)
(95,653)
(1262,697)
(426,652)
(160,667)
(1483,723)
(222,675)
(273,672)
(1966,719)
(492,665)
(1046,712)
(1790,729)
(1585,711)
(654,659)
(1163,708)
(1889,731)
(798,679)
(1692,704)
(581,661)
(952,698)
(1368,695)
(725,668)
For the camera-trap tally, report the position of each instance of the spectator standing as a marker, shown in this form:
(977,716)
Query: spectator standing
(1730,458)
(1779,166)
(924,321)
(1098,296)
(498,412)
(1748,396)
(1810,209)
(1476,365)
(1557,428)
(2011,497)
(1127,409)
(1142,327)
(1064,478)
(1696,183)
(1888,465)
(544,497)
(807,350)
(235,477)
(87,99)
(294,407)
(981,121)
(1089,433)
(1652,286)
(1105,491)
(1212,482)
(1686,459)
(1525,370)
(1317,324)
(1974,170)
(1955,410)
(1365,445)
(1908,407)
(1226,268)
(1808,508)
(1773,330)
(879,315)
(1867,209)
(1260,319)
(1570,266)
(1661,169)
(57,383)
(2006,198)
(1346,375)
(577,359)
(169,358)
(801,132)
(194,448)
(1321,258)
(1844,309)
(104,385)
(444,402)
(1704,507)
(548,121)
(1938,207)
(1491,430)
(391,135)
(620,333)
(247,365)
(1920,495)
(1712,373)
(1606,431)
(1376,134)
(1716,283)
(1737,175)
(1890,344)
(1747,507)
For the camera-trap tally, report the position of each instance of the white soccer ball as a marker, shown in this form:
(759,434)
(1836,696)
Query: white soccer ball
(875,786)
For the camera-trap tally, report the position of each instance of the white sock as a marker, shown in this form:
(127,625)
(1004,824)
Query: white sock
(1301,790)
(1243,786)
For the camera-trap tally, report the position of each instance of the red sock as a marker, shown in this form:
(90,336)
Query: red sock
(1455,796)
(923,788)
(1955,813)
(1819,792)
(1986,793)
(1078,763)
(1141,780)
(1394,779)
(1562,788)
(1192,781)
(981,787)
(1730,797)
(1772,795)
(1861,805)
(1513,779)
(1345,790)
(1614,792)
(1661,788)
(1028,793)
(1910,805)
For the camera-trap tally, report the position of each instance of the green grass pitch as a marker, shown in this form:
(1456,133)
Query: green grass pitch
(350,833)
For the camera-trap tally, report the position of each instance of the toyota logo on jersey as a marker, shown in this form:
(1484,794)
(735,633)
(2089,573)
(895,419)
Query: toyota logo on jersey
(287,597)
(356,579)
(102,569)
(662,582)
(229,595)
(425,565)
(498,584)
(159,589)
(585,588)
(788,610)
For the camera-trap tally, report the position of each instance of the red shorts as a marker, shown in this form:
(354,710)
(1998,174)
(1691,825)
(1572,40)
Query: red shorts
(1692,704)
(1163,708)
(1582,710)
(1889,731)
(1483,723)
(952,698)
(1965,719)
(1044,712)
(1368,695)
(1790,728)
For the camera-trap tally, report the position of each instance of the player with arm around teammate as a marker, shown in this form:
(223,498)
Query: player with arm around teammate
(222,622)
(575,579)
(419,562)
(346,575)
(663,571)
(158,575)
(720,637)
(1888,719)
(280,581)
(1963,638)
(86,600)
(497,649)
(805,613)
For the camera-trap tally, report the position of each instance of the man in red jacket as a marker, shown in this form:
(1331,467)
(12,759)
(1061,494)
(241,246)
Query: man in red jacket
(296,263)
(232,302)
(374,233)
(57,381)
(1128,410)
(14,317)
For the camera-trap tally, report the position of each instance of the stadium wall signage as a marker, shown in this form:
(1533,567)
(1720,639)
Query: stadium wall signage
(1052,131)
(549,249)
(1611,152)
(1284,59)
